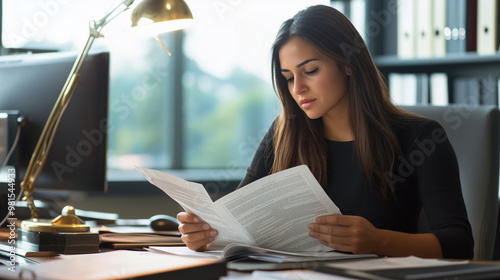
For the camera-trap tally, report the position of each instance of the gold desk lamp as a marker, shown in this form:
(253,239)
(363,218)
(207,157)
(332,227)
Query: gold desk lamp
(150,16)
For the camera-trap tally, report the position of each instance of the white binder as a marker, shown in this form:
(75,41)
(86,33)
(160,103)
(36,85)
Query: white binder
(406,32)
(423,28)
(439,89)
(487,26)
(439,23)
(403,88)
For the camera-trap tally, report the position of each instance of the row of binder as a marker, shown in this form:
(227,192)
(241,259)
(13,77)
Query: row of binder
(428,28)
(434,89)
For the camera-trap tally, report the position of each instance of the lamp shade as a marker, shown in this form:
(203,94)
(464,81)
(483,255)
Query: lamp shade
(159,16)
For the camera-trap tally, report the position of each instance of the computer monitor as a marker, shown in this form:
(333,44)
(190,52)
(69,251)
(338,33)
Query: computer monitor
(31,85)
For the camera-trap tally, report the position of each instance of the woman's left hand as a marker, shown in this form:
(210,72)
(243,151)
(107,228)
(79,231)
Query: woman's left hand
(346,233)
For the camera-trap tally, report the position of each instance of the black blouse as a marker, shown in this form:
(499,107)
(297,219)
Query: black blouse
(425,176)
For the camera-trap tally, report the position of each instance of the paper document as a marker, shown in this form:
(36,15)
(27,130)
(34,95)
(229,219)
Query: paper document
(298,274)
(186,252)
(393,263)
(272,212)
(411,268)
(237,251)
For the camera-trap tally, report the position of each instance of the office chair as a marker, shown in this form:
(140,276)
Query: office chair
(474,134)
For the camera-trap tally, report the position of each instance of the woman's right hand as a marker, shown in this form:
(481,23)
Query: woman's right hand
(195,234)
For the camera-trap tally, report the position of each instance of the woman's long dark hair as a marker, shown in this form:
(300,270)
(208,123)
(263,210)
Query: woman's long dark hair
(300,140)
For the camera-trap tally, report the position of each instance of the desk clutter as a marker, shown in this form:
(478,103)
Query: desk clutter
(129,249)
(179,262)
(346,266)
(104,237)
(133,237)
(101,231)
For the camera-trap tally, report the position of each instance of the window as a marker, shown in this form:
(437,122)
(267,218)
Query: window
(207,106)
(229,99)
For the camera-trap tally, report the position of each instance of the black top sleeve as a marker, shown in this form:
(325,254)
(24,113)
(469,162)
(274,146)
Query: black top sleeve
(262,161)
(439,188)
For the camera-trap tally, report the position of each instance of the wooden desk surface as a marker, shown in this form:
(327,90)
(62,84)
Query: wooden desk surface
(128,259)
(121,264)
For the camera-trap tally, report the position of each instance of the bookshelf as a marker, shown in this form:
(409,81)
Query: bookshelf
(479,69)
(457,65)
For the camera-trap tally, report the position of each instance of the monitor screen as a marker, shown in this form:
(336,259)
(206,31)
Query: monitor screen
(31,85)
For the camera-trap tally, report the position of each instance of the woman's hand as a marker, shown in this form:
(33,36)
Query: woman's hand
(346,233)
(195,234)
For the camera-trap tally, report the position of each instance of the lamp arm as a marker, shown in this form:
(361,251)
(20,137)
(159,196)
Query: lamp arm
(44,144)
(39,156)
(113,14)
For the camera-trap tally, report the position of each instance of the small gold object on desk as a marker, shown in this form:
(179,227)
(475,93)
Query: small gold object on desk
(66,222)
(66,234)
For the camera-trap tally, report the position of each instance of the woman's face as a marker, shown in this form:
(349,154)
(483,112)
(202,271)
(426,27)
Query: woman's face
(315,81)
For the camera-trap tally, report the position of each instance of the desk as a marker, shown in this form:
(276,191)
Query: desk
(122,264)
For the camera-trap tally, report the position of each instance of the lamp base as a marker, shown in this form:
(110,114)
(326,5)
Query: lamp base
(66,234)
(59,242)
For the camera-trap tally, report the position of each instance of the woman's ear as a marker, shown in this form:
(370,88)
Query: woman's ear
(348,71)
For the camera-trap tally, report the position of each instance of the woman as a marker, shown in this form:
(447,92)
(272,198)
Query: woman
(379,164)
